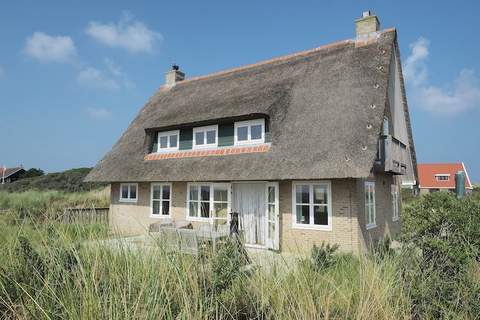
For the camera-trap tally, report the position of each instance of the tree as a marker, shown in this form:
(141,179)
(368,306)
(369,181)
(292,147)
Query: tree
(32,172)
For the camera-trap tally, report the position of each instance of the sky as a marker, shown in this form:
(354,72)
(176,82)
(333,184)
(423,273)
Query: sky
(73,74)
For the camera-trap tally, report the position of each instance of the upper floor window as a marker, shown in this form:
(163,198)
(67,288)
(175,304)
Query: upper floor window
(250,132)
(205,137)
(442,177)
(312,205)
(168,141)
(128,192)
(370,213)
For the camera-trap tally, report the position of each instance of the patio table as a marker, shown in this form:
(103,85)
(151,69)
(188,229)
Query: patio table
(212,236)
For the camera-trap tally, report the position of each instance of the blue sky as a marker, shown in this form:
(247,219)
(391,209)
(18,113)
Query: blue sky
(74,74)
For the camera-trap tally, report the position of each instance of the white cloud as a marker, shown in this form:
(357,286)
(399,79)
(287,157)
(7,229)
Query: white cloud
(99,113)
(462,94)
(111,78)
(46,48)
(128,34)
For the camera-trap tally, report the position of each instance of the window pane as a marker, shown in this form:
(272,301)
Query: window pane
(125,191)
(303,214)
(205,209)
(220,194)
(173,141)
(193,209)
(256,131)
(166,192)
(303,193)
(165,208)
(220,210)
(242,133)
(133,191)
(156,207)
(271,194)
(164,142)
(205,193)
(271,212)
(156,192)
(199,137)
(211,136)
(271,231)
(193,193)
(320,194)
(320,215)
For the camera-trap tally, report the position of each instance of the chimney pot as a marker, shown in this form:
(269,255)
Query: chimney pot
(173,76)
(367,25)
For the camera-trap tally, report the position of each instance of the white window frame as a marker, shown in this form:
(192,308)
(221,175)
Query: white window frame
(370,206)
(211,218)
(168,134)
(313,226)
(437,177)
(205,129)
(395,202)
(159,215)
(249,124)
(131,200)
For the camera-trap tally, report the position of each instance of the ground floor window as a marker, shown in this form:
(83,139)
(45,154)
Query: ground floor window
(395,202)
(312,205)
(370,213)
(208,201)
(161,199)
(128,192)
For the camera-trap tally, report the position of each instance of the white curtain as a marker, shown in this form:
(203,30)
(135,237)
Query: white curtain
(249,202)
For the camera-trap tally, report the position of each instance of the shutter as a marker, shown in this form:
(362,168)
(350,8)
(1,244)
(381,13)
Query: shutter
(225,134)
(186,139)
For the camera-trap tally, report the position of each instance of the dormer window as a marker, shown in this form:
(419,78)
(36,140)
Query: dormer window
(205,137)
(442,177)
(168,141)
(250,132)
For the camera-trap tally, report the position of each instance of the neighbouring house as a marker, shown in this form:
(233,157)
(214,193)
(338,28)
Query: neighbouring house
(306,148)
(8,175)
(440,177)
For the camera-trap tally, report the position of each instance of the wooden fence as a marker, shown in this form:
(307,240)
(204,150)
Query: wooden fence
(85,215)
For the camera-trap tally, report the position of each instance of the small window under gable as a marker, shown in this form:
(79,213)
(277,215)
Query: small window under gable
(249,132)
(442,177)
(205,137)
(168,141)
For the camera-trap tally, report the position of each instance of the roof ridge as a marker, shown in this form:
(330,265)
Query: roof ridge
(272,60)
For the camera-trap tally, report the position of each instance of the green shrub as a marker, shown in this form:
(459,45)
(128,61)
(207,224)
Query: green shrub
(441,237)
(323,257)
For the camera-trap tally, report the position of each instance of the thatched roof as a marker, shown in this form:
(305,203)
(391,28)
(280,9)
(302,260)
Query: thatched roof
(320,104)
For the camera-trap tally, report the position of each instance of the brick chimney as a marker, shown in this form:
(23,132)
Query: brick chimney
(367,26)
(173,76)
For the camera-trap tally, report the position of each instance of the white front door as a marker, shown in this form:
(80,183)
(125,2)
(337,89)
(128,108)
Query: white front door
(257,207)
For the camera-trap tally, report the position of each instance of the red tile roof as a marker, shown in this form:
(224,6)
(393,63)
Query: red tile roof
(428,172)
(207,153)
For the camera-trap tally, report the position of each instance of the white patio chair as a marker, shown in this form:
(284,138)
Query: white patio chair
(188,241)
(169,238)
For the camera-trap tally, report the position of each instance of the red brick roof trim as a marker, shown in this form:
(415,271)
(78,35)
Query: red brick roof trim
(208,153)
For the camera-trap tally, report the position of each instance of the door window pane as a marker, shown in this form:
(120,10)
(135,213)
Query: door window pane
(256,132)
(303,214)
(271,194)
(271,212)
(320,215)
(199,138)
(242,133)
(125,191)
(211,137)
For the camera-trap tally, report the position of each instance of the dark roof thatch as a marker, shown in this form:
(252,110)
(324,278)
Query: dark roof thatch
(320,102)
(9,171)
